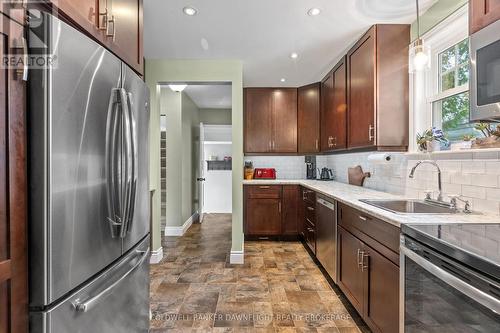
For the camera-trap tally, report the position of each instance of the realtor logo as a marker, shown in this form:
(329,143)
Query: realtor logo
(27,49)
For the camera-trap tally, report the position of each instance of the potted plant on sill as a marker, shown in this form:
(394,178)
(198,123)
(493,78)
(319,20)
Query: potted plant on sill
(491,136)
(431,140)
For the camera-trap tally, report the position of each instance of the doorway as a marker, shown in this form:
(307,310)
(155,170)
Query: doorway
(195,153)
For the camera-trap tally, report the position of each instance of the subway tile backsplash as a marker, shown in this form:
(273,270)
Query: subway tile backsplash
(474,175)
(287,167)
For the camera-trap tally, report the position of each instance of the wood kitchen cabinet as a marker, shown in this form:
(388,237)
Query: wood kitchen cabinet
(334,109)
(377,89)
(368,266)
(117,24)
(262,210)
(290,202)
(270,120)
(482,13)
(13,186)
(308,115)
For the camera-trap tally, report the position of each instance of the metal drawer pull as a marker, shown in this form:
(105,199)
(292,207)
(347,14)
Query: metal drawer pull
(93,301)
(358,256)
(362,218)
(264,187)
(363,256)
(310,208)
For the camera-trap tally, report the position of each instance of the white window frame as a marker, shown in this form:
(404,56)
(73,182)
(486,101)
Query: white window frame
(424,86)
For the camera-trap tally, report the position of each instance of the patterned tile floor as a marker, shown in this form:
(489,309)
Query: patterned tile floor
(278,289)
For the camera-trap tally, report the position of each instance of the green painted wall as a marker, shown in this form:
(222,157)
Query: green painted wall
(215,116)
(438,12)
(161,71)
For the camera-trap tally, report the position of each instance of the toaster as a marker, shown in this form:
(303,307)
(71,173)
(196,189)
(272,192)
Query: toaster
(264,173)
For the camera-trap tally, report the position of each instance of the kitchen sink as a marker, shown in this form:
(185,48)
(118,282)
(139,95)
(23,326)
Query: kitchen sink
(411,206)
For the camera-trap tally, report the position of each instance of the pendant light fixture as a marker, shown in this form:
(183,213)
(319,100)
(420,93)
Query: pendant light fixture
(419,52)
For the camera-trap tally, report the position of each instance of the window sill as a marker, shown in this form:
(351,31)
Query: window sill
(476,154)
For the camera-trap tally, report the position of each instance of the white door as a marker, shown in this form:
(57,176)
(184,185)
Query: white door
(201,176)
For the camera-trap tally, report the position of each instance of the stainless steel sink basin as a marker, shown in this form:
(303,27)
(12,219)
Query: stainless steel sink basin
(410,206)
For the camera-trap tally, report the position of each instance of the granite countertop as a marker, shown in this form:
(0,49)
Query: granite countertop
(350,195)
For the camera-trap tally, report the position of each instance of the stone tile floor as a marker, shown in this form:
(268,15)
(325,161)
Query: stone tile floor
(278,289)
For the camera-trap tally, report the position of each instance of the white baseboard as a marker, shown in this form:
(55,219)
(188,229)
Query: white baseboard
(156,256)
(237,257)
(180,231)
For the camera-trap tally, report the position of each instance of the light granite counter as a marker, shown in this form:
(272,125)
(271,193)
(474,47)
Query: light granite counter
(350,195)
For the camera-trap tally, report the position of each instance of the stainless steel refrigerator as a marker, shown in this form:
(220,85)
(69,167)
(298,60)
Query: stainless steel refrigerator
(89,197)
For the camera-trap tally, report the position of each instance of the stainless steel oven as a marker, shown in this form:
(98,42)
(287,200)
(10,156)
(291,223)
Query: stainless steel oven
(442,294)
(485,73)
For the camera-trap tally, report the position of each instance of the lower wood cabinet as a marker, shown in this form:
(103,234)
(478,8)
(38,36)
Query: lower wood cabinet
(271,210)
(368,271)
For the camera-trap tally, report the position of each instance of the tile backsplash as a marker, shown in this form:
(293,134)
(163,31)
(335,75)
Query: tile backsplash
(287,167)
(473,175)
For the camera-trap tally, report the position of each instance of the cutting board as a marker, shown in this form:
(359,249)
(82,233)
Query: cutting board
(357,176)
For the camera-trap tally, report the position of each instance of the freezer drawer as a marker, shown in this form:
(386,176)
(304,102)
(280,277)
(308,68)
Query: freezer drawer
(116,301)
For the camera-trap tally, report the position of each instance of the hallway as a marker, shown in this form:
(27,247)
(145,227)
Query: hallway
(278,289)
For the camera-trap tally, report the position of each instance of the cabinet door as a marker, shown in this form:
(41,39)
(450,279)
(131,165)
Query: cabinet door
(263,217)
(350,277)
(284,120)
(327,113)
(483,13)
(381,300)
(13,188)
(258,120)
(84,12)
(127,28)
(361,92)
(334,109)
(308,108)
(290,209)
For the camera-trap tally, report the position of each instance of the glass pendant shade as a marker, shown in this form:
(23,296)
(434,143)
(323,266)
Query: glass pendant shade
(420,56)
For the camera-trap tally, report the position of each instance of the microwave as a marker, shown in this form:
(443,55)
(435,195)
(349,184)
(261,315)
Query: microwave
(485,74)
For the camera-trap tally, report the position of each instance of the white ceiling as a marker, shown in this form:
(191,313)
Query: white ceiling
(263,33)
(210,96)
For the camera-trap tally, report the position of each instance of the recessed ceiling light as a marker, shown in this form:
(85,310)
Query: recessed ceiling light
(314,12)
(283,80)
(177,87)
(190,11)
(294,55)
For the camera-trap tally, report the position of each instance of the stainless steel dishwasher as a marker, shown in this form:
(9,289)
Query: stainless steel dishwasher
(326,235)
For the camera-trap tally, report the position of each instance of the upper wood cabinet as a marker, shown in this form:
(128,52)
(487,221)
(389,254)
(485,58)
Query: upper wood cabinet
(270,120)
(13,187)
(308,109)
(482,13)
(117,24)
(334,109)
(377,89)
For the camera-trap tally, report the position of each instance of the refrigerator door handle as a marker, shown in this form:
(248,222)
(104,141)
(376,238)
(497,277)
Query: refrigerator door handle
(134,160)
(129,162)
(85,306)
(112,123)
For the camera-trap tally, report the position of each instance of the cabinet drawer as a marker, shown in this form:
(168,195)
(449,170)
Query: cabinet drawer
(263,191)
(380,231)
(309,196)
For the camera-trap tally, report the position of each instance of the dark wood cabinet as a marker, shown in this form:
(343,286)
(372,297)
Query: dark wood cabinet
(117,24)
(13,186)
(334,109)
(258,120)
(377,89)
(290,202)
(369,267)
(350,278)
(308,218)
(382,296)
(308,115)
(270,120)
(482,13)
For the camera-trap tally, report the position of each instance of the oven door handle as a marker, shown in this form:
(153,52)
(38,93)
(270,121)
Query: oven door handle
(463,287)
